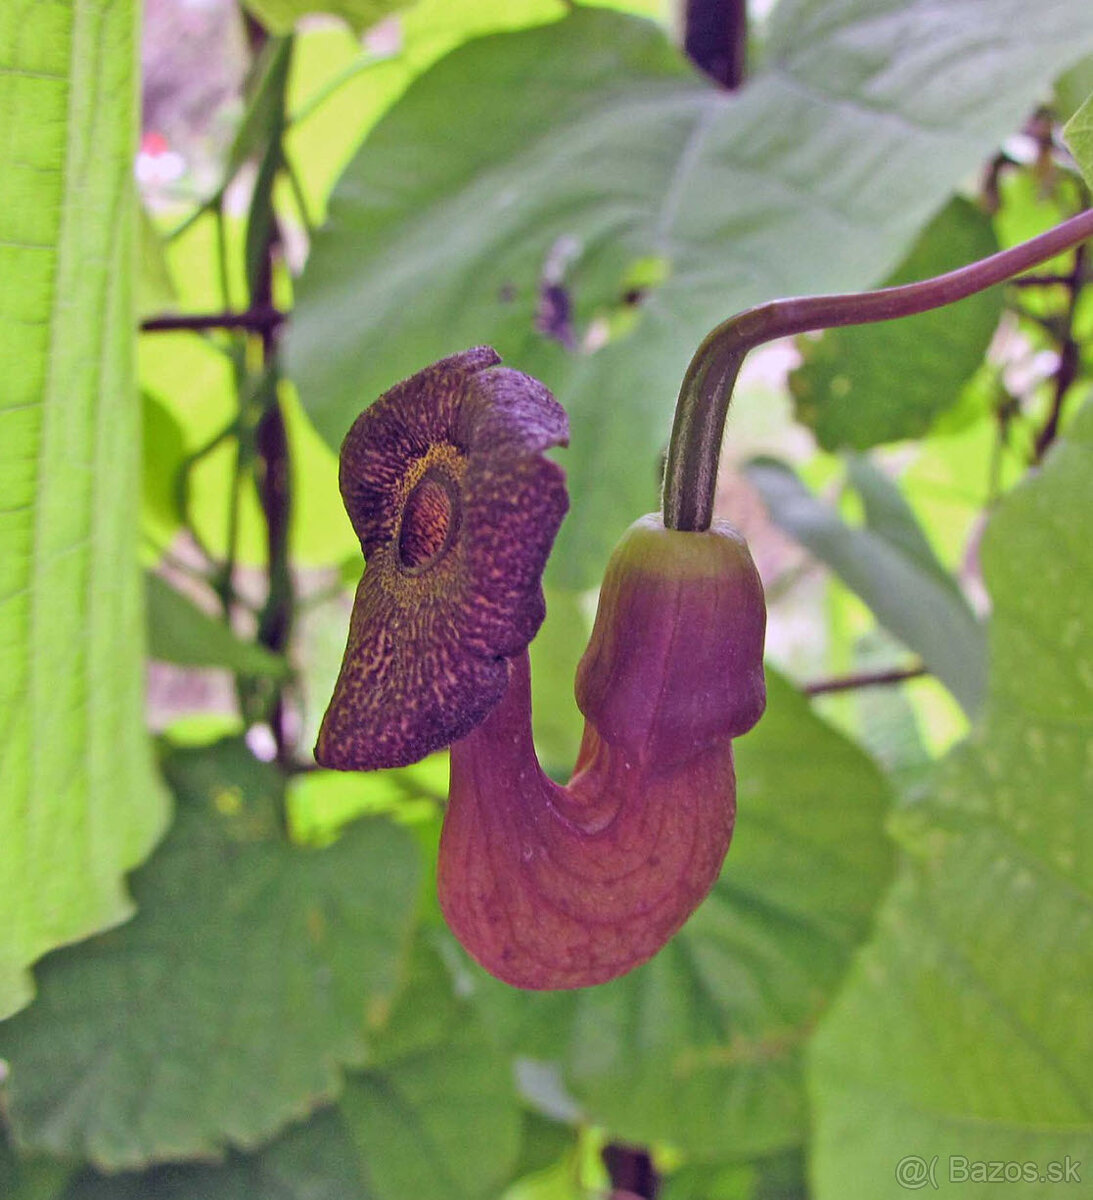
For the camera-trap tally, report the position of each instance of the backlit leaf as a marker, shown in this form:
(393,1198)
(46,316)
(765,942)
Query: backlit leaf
(81,801)
(966,1029)
(1079,137)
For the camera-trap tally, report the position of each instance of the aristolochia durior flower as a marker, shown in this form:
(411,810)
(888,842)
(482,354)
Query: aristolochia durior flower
(552,887)
(456,508)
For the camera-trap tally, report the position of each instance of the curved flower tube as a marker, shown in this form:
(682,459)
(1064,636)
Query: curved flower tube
(456,508)
(552,887)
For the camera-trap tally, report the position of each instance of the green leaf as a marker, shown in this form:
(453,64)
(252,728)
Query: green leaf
(1072,88)
(193,387)
(164,452)
(611,152)
(616,398)
(231,1004)
(338,92)
(179,632)
(279,16)
(889,516)
(435,1115)
(321,803)
(908,591)
(781,1177)
(544,1143)
(270,105)
(263,123)
(879,383)
(967,1026)
(29,1179)
(315,1161)
(1078,134)
(723,1012)
(82,804)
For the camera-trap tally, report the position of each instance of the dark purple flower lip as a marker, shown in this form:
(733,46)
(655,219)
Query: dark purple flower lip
(456,509)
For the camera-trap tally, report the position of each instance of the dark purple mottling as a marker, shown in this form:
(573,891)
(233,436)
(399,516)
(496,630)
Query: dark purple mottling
(447,597)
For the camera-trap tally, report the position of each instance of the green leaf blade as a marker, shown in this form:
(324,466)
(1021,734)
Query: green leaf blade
(180,632)
(250,978)
(436,1113)
(85,805)
(966,1028)
(279,16)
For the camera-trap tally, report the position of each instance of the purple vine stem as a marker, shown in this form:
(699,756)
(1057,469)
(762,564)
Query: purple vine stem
(690,477)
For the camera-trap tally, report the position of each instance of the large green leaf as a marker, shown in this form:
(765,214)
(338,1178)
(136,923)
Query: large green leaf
(879,383)
(435,1114)
(315,1161)
(702,1047)
(611,151)
(890,566)
(230,1004)
(967,1026)
(30,1179)
(338,91)
(81,802)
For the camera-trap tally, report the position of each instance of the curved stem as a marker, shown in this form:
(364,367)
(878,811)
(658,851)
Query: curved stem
(690,476)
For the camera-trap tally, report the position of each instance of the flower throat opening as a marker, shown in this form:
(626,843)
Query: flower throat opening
(429,522)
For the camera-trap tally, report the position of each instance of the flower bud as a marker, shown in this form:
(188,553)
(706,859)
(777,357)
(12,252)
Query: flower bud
(675,661)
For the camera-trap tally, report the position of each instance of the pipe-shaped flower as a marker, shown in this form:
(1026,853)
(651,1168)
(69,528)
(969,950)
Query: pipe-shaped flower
(456,509)
(560,887)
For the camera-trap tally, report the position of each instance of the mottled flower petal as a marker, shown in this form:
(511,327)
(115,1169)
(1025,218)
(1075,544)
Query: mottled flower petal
(506,410)
(401,427)
(456,509)
(514,506)
(394,702)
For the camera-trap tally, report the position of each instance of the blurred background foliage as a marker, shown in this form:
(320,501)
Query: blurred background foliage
(223,972)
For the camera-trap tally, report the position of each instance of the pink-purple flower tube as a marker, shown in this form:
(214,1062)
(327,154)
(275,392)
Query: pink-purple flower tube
(456,507)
